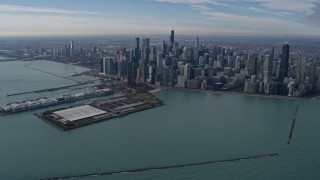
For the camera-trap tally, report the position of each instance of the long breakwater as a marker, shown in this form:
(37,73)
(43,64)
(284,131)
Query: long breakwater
(164,167)
(293,124)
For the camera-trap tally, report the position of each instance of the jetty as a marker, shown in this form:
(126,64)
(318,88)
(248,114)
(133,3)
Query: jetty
(293,124)
(51,89)
(55,75)
(164,167)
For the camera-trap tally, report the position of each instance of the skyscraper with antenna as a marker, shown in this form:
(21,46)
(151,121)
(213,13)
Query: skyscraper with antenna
(284,63)
(172,40)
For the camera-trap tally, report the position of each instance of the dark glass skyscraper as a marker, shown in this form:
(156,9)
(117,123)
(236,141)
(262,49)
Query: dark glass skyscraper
(172,37)
(137,50)
(101,65)
(164,48)
(133,65)
(171,41)
(131,74)
(146,49)
(284,63)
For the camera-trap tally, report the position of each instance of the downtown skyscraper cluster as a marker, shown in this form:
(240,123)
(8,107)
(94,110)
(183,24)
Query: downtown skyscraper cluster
(196,66)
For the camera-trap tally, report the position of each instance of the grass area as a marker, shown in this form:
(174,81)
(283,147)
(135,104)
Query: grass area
(143,106)
(147,98)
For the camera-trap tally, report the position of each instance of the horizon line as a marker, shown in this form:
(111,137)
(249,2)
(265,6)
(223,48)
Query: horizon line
(146,34)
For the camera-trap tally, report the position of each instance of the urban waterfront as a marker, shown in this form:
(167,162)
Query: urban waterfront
(191,127)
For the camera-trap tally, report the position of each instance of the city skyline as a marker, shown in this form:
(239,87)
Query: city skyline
(190,17)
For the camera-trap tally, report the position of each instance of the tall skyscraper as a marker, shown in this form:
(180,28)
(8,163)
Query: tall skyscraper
(153,55)
(131,74)
(72,49)
(284,63)
(267,68)
(171,41)
(133,65)
(94,50)
(101,65)
(143,67)
(137,50)
(300,73)
(146,49)
(172,38)
(66,50)
(197,44)
(197,48)
(164,48)
(107,66)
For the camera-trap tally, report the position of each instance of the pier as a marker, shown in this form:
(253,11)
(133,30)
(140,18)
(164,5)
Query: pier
(49,89)
(164,167)
(33,104)
(293,124)
(73,117)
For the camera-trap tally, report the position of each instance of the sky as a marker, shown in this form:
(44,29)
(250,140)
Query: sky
(147,17)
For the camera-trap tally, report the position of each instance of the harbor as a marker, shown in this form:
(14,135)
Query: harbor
(82,115)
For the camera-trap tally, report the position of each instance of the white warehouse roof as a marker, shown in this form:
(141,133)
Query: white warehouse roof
(80,112)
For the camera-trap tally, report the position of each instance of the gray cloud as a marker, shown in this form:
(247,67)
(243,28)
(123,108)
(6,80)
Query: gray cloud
(315,17)
(29,9)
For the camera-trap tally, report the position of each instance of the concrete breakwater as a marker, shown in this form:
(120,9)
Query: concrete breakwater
(164,167)
(293,124)
(55,75)
(46,90)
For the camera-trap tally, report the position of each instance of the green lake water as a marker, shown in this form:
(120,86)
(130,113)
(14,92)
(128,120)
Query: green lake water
(191,127)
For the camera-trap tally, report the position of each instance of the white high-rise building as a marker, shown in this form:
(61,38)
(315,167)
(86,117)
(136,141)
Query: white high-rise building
(187,71)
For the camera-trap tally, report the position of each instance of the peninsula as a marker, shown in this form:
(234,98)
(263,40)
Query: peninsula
(89,113)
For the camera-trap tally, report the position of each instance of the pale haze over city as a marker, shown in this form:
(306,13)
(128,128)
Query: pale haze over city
(189,17)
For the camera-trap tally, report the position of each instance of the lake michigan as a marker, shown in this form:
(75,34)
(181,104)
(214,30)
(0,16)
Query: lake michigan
(191,127)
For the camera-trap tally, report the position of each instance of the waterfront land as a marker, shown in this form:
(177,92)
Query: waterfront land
(81,115)
(245,66)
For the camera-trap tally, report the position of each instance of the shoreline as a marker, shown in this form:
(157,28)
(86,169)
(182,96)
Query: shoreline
(216,92)
(235,93)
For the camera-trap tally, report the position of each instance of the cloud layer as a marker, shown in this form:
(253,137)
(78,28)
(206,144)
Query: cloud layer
(211,17)
(15,9)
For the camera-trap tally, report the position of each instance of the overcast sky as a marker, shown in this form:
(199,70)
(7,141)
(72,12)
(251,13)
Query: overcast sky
(187,17)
